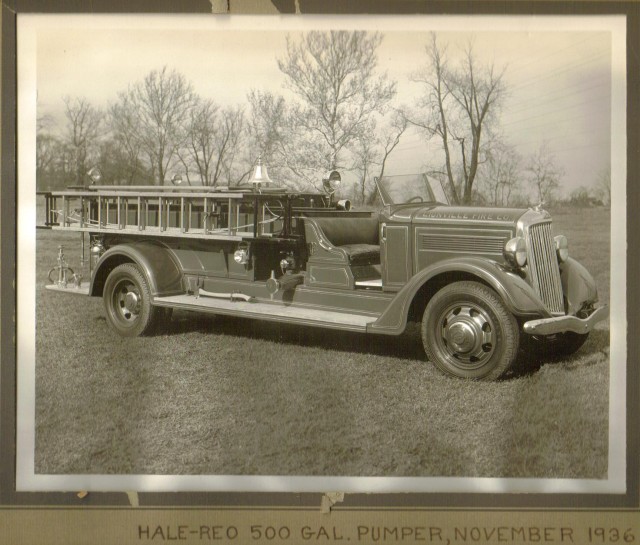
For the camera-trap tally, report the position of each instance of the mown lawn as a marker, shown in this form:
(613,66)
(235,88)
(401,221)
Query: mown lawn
(221,395)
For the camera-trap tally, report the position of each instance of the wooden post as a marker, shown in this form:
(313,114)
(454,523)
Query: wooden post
(205,217)
(256,224)
(182,226)
(64,211)
(47,210)
(231,219)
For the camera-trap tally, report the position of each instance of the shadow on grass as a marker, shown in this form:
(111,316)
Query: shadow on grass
(530,360)
(407,346)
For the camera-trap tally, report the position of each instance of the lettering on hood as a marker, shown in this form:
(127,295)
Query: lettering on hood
(472,216)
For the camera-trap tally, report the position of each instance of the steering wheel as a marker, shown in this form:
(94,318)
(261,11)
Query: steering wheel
(415,198)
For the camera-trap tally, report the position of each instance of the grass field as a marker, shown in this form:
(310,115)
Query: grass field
(221,395)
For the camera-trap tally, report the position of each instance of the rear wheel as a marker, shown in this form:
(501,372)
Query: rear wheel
(468,332)
(127,301)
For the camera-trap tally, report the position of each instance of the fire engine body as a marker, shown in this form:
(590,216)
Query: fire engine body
(273,254)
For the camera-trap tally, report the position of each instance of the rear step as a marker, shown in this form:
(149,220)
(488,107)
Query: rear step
(268,311)
(83,289)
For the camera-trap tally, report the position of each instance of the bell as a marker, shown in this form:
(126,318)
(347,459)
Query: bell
(260,174)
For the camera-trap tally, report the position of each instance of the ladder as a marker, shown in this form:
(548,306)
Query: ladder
(151,211)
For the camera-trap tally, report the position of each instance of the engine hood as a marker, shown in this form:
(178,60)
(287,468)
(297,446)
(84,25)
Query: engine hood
(434,213)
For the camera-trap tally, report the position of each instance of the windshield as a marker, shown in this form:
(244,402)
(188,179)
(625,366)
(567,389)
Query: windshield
(410,188)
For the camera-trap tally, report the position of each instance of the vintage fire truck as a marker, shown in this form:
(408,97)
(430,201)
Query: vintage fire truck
(482,282)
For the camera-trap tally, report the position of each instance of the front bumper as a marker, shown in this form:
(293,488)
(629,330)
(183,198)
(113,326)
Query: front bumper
(562,324)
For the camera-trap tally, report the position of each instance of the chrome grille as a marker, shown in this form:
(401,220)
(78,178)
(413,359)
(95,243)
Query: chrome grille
(543,266)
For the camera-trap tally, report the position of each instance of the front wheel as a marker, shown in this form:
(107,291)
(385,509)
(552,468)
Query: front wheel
(127,302)
(468,332)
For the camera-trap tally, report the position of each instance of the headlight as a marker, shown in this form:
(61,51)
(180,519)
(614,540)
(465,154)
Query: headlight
(95,175)
(515,252)
(562,248)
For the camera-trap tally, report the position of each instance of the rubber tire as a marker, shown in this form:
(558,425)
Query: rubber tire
(148,318)
(507,334)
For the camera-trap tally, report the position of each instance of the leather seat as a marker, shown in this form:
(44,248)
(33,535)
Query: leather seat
(362,254)
(357,237)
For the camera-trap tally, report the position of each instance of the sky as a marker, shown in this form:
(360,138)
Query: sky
(558,80)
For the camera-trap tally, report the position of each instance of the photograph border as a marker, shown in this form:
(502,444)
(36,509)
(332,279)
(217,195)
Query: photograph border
(534,501)
(29,31)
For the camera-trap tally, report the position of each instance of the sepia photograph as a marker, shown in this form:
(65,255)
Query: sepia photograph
(366,254)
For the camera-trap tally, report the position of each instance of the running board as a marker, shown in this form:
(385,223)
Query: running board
(267,311)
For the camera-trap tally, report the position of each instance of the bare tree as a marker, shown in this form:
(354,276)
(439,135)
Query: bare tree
(268,123)
(45,152)
(457,107)
(47,148)
(268,134)
(334,75)
(275,135)
(154,111)
(200,142)
(499,179)
(372,152)
(122,165)
(365,161)
(603,186)
(44,123)
(581,197)
(212,143)
(544,174)
(123,159)
(82,131)
(230,136)
(55,159)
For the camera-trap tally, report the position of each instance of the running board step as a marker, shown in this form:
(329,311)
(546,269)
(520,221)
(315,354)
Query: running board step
(268,311)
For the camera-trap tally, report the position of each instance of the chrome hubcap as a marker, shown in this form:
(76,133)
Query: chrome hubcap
(127,301)
(131,301)
(461,336)
(467,334)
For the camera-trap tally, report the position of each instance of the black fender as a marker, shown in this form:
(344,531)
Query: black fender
(578,285)
(518,296)
(154,258)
